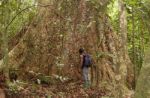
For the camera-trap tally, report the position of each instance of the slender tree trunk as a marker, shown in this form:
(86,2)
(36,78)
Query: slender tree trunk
(6,19)
(123,39)
(125,65)
(133,44)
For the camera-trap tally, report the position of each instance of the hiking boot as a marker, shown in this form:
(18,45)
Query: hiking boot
(86,84)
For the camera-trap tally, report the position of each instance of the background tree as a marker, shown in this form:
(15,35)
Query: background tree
(142,89)
(137,34)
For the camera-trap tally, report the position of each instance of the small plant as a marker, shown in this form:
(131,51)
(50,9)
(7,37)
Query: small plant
(13,87)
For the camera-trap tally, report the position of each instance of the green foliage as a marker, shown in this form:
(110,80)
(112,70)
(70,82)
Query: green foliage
(12,18)
(44,79)
(114,14)
(138,33)
(15,87)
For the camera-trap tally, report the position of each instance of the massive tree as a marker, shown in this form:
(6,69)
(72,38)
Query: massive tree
(59,29)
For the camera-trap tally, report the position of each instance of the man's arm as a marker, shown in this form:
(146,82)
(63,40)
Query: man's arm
(81,60)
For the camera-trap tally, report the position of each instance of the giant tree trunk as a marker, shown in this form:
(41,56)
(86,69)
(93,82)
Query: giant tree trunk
(59,30)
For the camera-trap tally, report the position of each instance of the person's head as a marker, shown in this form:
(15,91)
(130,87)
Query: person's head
(81,51)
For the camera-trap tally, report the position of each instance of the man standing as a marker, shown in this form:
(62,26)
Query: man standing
(85,62)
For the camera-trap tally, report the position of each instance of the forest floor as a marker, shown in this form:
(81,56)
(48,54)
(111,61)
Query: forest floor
(72,89)
(57,89)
